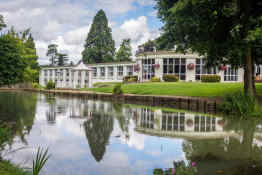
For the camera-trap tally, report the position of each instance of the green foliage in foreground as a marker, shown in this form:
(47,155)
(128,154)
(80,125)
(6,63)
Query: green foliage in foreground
(179,89)
(6,168)
(40,160)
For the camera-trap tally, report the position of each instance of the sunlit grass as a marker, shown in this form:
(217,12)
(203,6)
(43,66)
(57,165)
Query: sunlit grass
(179,89)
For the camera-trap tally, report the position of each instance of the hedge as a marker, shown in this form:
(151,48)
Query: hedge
(133,78)
(170,78)
(210,78)
(155,79)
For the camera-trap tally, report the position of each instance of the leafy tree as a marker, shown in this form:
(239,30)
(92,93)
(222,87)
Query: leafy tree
(62,59)
(12,62)
(125,51)
(2,23)
(225,31)
(99,46)
(52,53)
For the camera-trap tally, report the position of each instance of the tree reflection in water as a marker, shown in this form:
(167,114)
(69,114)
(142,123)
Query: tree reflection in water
(17,110)
(98,130)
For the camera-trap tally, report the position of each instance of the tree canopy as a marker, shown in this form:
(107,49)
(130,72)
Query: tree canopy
(125,51)
(225,31)
(18,57)
(99,46)
(2,22)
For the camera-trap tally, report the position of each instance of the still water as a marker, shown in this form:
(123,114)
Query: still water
(87,137)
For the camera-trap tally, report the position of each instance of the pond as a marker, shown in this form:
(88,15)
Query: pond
(105,138)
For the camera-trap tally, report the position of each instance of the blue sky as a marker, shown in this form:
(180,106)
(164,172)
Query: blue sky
(67,22)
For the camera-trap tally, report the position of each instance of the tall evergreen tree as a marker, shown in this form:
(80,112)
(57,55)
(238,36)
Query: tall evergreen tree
(125,51)
(52,53)
(99,46)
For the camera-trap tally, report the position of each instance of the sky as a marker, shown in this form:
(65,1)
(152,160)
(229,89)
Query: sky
(67,22)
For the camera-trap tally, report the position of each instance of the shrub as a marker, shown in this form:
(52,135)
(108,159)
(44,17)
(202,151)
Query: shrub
(132,80)
(117,89)
(36,86)
(50,85)
(240,104)
(210,78)
(155,79)
(127,78)
(170,78)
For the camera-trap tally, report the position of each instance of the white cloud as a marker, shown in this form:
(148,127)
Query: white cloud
(67,23)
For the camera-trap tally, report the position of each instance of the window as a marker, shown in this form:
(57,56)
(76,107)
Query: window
(67,72)
(94,71)
(56,72)
(51,73)
(231,74)
(148,68)
(130,70)
(175,66)
(61,72)
(201,69)
(45,72)
(119,71)
(111,72)
(102,72)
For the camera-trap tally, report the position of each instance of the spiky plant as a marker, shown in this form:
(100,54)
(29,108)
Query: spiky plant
(40,160)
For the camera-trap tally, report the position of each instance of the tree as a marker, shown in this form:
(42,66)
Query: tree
(52,53)
(99,46)
(224,31)
(125,51)
(62,59)
(2,22)
(12,62)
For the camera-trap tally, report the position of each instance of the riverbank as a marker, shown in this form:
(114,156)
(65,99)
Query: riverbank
(6,168)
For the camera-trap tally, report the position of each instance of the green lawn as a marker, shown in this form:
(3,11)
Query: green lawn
(6,168)
(178,89)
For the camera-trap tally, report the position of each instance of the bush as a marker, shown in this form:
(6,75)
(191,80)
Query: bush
(36,86)
(155,79)
(50,85)
(170,78)
(117,89)
(240,104)
(210,78)
(132,80)
(127,78)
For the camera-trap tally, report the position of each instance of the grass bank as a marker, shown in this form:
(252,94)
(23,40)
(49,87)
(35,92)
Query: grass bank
(6,168)
(177,89)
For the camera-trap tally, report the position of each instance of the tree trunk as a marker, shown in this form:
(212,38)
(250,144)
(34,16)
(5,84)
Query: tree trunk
(249,86)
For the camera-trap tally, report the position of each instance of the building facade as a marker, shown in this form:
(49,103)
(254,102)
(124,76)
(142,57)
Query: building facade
(187,67)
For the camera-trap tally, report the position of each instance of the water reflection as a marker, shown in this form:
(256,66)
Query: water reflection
(97,137)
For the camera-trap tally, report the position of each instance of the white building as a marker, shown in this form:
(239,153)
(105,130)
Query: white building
(188,67)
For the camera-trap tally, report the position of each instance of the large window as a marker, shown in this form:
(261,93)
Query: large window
(175,66)
(120,71)
(110,72)
(130,70)
(51,73)
(148,68)
(102,72)
(201,69)
(231,74)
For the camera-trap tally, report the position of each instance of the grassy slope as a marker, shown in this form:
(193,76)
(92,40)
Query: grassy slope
(180,89)
(8,169)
